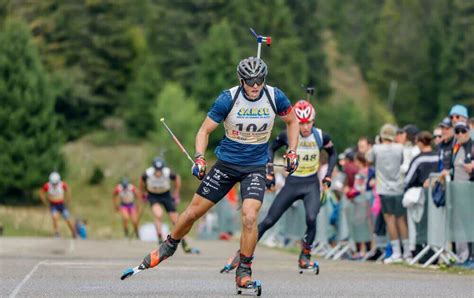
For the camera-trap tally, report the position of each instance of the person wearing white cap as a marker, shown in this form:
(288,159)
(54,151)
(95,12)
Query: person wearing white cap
(387,158)
(56,193)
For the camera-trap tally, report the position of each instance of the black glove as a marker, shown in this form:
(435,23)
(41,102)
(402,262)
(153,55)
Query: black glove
(270,179)
(327,181)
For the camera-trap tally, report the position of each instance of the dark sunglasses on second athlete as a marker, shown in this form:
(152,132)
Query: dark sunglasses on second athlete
(250,82)
(458,131)
(438,136)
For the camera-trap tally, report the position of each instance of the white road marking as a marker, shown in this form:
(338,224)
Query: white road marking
(18,287)
(71,245)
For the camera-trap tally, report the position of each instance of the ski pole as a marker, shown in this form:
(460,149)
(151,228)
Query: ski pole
(276,165)
(309,92)
(266,39)
(177,141)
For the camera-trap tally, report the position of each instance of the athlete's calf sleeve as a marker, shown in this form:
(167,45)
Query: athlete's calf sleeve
(166,250)
(245,260)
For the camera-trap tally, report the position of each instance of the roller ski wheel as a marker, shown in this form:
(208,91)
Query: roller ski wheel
(254,289)
(311,269)
(189,250)
(192,251)
(132,271)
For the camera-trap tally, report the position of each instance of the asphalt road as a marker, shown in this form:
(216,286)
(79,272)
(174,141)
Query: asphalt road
(61,267)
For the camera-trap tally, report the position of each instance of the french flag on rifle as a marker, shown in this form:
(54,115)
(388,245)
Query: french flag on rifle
(261,39)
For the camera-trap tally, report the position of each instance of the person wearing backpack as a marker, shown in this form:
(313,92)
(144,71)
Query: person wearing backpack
(303,184)
(248,112)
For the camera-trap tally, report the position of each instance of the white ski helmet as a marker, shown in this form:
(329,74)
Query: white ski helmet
(54,178)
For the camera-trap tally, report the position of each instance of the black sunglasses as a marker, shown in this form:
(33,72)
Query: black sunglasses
(454,117)
(438,136)
(458,131)
(258,80)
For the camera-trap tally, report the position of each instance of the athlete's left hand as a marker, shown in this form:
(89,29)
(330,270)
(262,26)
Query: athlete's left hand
(291,161)
(327,182)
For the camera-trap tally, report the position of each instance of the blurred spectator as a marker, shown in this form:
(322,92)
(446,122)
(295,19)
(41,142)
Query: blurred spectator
(368,173)
(350,168)
(458,113)
(462,170)
(471,127)
(341,161)
(407,139)
(417,176)
(423,164)
(437,136)
(363,185)
(445,149)
(463,156)
(387,158)
(364,145)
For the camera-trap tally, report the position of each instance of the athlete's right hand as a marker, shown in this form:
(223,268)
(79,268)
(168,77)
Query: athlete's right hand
(291,161)
(270,181)
(199,167)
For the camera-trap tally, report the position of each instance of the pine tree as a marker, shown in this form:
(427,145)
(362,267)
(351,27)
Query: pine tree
(88,46)
(401,50)
(286,58)
(353,24)
(457,67)
(141,94)
(309,30)
(182,115)
(178,28)
(218,56)
(29,137)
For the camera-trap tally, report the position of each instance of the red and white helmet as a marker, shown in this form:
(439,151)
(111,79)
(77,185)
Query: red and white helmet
(304,111)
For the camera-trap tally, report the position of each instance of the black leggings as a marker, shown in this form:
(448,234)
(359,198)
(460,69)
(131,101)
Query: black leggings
(295,189)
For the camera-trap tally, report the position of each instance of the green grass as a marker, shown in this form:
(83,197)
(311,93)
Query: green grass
(107,138)
(26,221)
(441,268)
(91,202)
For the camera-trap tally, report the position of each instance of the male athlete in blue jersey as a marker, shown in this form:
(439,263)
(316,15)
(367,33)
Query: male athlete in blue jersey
(248,112)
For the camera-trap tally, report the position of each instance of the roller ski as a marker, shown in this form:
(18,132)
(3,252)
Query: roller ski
(189,250)
(243,278)
(306,265)
(231,263)
(254,289)
(166,250)
(132,271)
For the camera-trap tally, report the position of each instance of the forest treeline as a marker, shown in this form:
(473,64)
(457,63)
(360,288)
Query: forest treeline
(68,66)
